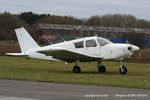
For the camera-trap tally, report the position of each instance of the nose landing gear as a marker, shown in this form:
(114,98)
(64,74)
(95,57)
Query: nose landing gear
(122,69)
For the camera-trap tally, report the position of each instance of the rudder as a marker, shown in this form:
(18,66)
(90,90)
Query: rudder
(26,42)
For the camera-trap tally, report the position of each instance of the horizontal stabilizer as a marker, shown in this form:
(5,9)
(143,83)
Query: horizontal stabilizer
(16,54)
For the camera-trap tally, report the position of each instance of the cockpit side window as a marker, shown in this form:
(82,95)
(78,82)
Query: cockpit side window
(79,44)
(91,43)
(102,41)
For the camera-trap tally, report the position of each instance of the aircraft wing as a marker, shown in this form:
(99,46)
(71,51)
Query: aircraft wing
(69,55)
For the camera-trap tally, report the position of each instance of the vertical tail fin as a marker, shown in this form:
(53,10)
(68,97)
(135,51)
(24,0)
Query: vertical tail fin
(25,40)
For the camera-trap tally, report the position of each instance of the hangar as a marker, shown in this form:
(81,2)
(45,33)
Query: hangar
(69,32)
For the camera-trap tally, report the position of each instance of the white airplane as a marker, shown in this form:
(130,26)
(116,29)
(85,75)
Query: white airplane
(80,50)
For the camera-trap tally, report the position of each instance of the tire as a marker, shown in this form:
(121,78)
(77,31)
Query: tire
(102,69)
(76,69)
(123,71)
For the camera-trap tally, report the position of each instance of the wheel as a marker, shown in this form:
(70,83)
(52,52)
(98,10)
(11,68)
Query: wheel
(123,70)
(76,69)
(102,69)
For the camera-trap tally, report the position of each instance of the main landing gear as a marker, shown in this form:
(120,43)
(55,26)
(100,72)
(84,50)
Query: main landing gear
(101,68)
(122,69)
(76,68)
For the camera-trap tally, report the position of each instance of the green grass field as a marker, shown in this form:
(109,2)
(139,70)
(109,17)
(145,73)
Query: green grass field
(145,50)
(15,43)
(17,68)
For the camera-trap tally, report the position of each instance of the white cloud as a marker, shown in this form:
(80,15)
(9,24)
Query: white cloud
(79,8)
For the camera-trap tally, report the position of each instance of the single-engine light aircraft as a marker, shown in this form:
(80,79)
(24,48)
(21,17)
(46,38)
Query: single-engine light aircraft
(79,50)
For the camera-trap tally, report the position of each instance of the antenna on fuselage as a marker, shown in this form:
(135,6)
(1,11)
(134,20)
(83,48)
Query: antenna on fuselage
(61,37)
(49,41)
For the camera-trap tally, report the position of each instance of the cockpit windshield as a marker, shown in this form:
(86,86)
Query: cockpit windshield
(102,41)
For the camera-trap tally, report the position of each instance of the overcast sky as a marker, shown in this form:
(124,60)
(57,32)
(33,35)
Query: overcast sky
(79,8)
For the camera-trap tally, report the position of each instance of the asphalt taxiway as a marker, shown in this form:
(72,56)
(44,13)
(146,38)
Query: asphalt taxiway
(24,90)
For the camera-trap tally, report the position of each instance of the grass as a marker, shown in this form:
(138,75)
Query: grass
(13,43)
(17,68)
(145,50)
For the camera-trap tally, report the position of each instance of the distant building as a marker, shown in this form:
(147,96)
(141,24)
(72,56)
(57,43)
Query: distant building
(69,32)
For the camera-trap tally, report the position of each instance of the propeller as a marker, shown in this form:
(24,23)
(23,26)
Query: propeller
(130,48)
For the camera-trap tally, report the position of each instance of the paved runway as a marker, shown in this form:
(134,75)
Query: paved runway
(23,90)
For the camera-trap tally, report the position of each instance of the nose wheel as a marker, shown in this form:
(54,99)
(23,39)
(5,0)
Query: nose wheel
(122,69)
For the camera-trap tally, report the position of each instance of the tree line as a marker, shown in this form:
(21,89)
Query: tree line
(9,22)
